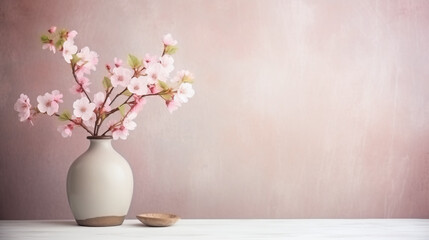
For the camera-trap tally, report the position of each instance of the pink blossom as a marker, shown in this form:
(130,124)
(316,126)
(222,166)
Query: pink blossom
(52,29)
(88,60)
(68,50)
(83,108)
(156,72)
(58,97)
(184,92)
(76,120)
(120,132)
(138,103)
(33,113)
(84,81)
(83,85)
(128,121)
(77,89)
(49,45)
(117,61)
(121,76)
(23,107)
(182,75)
(48,104)
(99,100)
(66,130)
(167,62)
(91,121)
(172,105)
(168,40)
(155,88)
(148,59)
(80,71)
(71,35)
(138,86)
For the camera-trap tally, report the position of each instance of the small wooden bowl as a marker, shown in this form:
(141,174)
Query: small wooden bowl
(157,219)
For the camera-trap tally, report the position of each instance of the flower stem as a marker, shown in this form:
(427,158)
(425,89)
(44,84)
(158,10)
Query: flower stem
(75,78)
(77,123)
(97,126)
(107,96)
(83,126)
(117,95)
(126,102)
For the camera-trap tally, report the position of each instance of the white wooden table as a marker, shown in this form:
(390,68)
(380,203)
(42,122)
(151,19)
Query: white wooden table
(287,229)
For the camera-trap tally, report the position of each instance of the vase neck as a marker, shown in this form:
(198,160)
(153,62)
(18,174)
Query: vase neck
(100,142)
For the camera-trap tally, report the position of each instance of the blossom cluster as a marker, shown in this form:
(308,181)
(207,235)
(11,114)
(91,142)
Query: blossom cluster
(129,85)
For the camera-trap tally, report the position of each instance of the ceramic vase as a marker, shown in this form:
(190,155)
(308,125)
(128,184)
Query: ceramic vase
(100,185)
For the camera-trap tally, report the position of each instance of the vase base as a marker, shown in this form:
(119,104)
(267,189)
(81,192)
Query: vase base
(102,221)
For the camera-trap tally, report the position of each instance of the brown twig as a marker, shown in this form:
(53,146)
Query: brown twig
(75,78)
(98,125)
(117,95)
(77,123)
(126,102)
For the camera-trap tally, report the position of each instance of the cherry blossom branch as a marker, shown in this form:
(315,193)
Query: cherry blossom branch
(83,61)
(95,124)
(137,73)
(118,123)
(126,102)
(122,119)
(77,123)
(117,108)
(107,96)
(82,125)
(157,94)
(109,129)
(75,78)
(113,111)
(97,119)
(117,95)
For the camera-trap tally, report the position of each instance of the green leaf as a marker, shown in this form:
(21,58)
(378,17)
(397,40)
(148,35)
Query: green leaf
(127,93)
(187,79)
(107,83)
(170,50)
(59,43)
(64,116)
(163,85)
(122,110)
(63,33)
(133,61)
(167,97)
(75,59)
(44,39)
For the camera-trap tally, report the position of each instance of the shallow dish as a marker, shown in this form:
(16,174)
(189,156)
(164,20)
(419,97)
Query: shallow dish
(157,219)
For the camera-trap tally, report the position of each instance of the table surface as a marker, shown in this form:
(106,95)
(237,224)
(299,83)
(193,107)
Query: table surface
(223,229)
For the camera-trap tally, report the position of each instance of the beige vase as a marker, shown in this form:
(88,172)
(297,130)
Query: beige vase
(100,185)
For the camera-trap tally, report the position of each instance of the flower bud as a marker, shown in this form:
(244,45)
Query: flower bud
(52,29)
(78,120)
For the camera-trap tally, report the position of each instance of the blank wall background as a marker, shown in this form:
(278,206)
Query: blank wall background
(303,109)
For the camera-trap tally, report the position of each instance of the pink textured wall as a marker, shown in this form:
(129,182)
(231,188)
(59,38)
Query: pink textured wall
(302,108)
